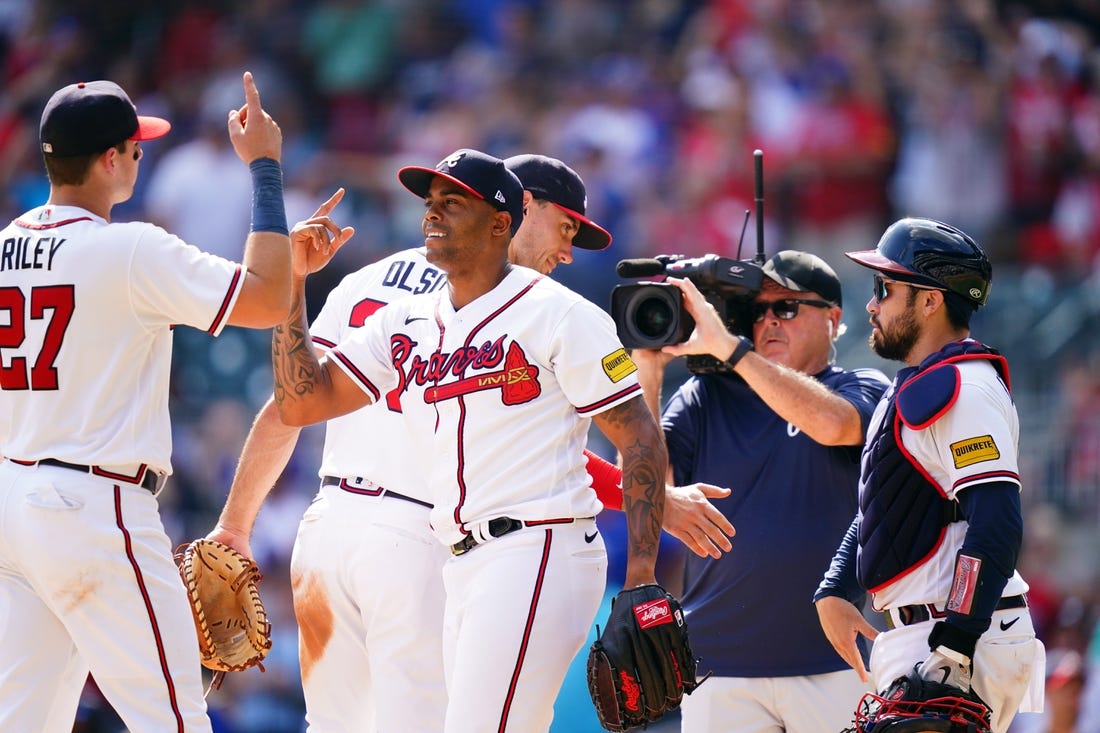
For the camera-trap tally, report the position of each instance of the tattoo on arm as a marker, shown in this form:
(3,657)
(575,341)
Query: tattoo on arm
(294,362)
(645,462)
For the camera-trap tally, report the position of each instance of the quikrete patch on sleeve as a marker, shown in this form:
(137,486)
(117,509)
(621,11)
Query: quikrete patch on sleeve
(618,365)
(974,450)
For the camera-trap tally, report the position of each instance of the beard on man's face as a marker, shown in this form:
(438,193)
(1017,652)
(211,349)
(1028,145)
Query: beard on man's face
(895,343)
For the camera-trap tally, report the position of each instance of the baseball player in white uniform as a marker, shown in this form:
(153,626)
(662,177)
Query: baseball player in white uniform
(499,374)
(939,525)
(367,571)
(87,307)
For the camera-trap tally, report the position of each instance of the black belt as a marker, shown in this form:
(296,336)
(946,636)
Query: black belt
(147,479)
(918,612)
(497,528)
(343,484)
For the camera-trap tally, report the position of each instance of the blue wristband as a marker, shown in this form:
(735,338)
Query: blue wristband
(268,213)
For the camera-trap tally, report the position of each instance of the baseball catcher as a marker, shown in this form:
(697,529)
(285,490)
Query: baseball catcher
(222,585)
(915,705)
(641,666)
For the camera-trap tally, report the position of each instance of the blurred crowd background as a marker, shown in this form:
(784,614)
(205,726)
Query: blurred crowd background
(983,114)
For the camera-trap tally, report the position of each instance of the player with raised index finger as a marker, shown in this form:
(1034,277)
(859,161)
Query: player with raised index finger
(499,373)
(364,545)
(87,579)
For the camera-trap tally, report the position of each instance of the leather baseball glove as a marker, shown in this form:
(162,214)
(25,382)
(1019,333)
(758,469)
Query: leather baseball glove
(914,705)
(641,666)
(222,585)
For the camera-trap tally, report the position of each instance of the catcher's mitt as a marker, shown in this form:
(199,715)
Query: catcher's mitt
(641,666)
(914,705)
(230,619)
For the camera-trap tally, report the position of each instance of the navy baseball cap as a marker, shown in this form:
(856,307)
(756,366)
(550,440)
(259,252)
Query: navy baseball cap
(89,117)
(804,272)
(551,180)
(482,175)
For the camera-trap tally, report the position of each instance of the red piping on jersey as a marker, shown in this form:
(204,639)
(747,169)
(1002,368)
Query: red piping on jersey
(539,578)
(56,224)
(121,476)
(225,303)
(169,683)
(987,476)
(323,342)
(617,396)
(374,393)
(460,442)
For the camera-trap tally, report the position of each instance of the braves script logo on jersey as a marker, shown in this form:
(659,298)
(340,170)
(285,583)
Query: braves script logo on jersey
(653,613)
(517,380)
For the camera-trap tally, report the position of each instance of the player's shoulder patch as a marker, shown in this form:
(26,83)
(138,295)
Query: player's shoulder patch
(974,450)
(926,397)
(617,365)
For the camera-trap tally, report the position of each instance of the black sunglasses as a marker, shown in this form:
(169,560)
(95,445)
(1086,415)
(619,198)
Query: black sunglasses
(881,292)
(785,309)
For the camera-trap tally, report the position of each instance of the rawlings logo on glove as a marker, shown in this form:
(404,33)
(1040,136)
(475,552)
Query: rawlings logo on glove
(222,585)
(642,665)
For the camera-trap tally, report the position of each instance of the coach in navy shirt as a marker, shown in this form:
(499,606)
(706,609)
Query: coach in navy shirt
(783,429)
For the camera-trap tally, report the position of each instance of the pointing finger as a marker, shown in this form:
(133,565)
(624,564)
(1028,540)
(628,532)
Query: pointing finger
(251,95)
(325,208)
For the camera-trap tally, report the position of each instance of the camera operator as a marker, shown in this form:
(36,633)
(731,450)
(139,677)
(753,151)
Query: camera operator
(784,432)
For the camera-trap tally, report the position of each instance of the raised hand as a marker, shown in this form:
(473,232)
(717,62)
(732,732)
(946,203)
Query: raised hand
(251,130)
(314,241)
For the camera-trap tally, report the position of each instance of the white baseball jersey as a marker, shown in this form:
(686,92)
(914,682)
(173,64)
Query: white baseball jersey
(86,312)
(974,442)
(498,394)
(373,443)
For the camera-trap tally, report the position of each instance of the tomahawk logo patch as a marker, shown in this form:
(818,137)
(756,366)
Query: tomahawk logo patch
(974,450)
(618,365)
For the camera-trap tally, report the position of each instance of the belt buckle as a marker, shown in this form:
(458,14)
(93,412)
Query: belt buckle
(463,546)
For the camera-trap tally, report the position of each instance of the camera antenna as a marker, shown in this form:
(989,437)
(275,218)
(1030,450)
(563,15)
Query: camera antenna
(758,176)
(744,226)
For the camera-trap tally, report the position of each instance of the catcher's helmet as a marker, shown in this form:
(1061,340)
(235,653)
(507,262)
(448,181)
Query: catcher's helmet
(913,705)
(929,252)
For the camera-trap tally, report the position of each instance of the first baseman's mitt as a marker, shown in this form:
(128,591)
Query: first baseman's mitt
(230,619)
(642,665)
(914,705)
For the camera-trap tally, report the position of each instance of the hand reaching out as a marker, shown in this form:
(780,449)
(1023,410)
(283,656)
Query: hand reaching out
(692,519)
(316,240)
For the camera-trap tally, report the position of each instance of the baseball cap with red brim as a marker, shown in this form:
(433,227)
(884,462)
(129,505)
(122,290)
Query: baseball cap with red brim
(552,180)
(478,173)
(90,117)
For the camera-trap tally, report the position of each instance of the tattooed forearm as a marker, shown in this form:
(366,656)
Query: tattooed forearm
(294,362)
(633,430)
(643,498)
